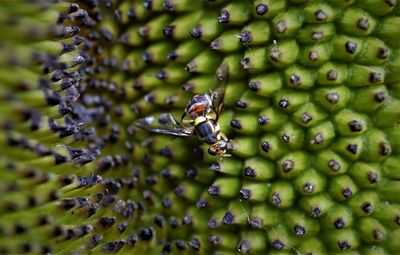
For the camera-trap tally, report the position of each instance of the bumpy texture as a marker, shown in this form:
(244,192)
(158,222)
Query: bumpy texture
(312,102)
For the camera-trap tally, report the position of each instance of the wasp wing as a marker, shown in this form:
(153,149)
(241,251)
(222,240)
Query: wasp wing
(218,94)
(167,125)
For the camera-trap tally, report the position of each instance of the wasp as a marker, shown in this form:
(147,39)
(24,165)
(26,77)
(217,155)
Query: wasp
(199,118)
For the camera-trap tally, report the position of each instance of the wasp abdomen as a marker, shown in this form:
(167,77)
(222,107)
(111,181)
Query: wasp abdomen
(207,131)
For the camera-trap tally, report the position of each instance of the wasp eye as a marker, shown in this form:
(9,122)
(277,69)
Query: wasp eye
(212,152)
(223,145)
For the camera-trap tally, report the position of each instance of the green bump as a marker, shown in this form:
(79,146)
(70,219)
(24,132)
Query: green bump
(310,182)
(316,205)
(350,147)
(226,42)
(320,136)
(206,29)
(245,123)
(179,27)
(250,103)
(332,73)
(153,30)
(203,63)
(271,119)
(272,146)
(181,6)
(253,192)
(292,164)
(251,61)
(388,214)
(300,224)
(253,241)
(224,187)
(342,187)
(312,245)
(315,55)
(229,166)
(266,85)
(366,175)
(188,190)
(258,169)
(267,9)
(308,115)
(234,13)
(387,115)
(280,239)
(283,53)
(234,66)
(245,147)
(310,111)
(316,33)
(265,216)
(342,240)
(287,24)
(185,51)
(389,189)
(319,12)
(374,250)
(374,51)
(371,231)
(299,78)
(339,217)
(357,22)
(346,48)
(386,29)
(364,203)
(291,136)
(349,123)
(289,100)
(281,194)
(390,168)
(370,98)
(256,33)
(377,146)
(199,84)
(156,53)
(365,75)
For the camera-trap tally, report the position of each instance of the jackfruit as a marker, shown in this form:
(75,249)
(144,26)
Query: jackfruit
(311,103)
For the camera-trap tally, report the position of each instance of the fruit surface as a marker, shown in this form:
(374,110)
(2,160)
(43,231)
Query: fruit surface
(312,102)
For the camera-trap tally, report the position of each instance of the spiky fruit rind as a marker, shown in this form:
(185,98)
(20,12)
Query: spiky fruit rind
(311,107)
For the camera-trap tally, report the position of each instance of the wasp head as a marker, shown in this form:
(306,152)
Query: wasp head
(221,148)
(198,106)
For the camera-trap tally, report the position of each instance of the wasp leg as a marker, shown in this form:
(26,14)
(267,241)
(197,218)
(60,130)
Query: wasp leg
(212,115)
(187,123)
(223,136)
(183,116)
(219,149)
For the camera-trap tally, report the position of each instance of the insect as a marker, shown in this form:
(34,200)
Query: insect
(199,118)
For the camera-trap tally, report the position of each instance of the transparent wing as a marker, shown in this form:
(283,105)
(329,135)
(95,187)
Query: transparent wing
(218,94)
(167,125)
